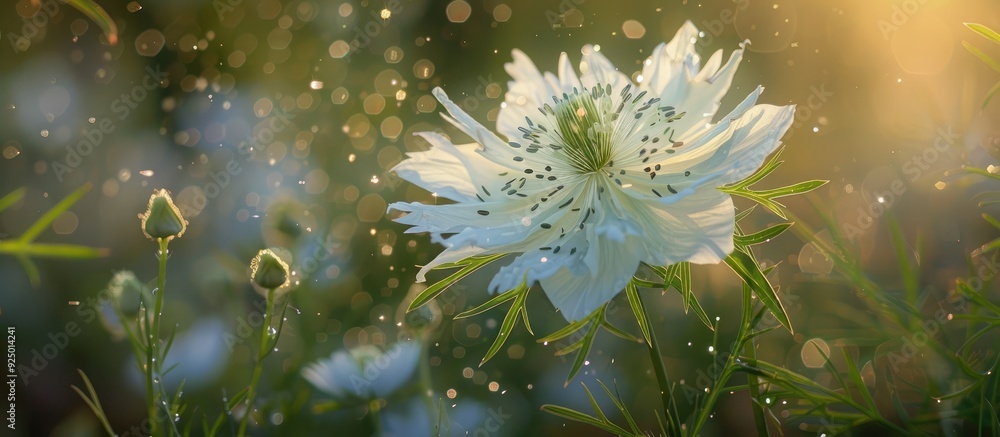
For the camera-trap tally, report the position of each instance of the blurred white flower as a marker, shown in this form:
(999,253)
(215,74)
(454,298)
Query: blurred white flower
(596,174)
(365,372)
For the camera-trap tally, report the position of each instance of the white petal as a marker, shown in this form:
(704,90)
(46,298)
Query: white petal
(567,76)
(393,369)
(671,61)
(673,74)
(596,70)
(536,265)
(528,81)
(577,294)
(702,98)
(527,92)
(493,148)
(334,376)
(697,229)
(452,171)
(691,151)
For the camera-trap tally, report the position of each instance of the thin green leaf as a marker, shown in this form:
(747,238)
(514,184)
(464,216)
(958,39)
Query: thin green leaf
(621,408)
(12,198)
(907,270)
(980,172)
(990,62)
(34,277)
(46,219)
(577,416)
(524,318)
(594,405)
(791,190)
(509,321)
(986,32)
(764,170)
(587,343)
(237,399)
(490,304)
(470,265)
(637,309)
(45,250)
(989,96)
(746,212)
(566,331)
(748,269)
(762,236)
(94,402)
(858,380)
(618,332)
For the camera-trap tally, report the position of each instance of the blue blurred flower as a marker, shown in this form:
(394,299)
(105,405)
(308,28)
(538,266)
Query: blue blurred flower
(365,372)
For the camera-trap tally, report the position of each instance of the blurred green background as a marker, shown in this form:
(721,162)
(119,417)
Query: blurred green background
(877,83)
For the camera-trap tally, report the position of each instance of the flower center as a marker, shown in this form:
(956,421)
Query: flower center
(586,125)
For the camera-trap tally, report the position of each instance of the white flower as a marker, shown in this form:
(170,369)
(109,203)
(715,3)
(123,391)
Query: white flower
(596,174)
(365,372)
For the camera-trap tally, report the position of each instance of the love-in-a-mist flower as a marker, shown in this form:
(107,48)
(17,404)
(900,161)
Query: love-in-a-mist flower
(269,269)
(162,219)
(365,372)
(593,174)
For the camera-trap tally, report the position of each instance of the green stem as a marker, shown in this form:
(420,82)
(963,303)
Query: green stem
(373,411)
(153,360)
(754,387)
(660,369)
(262,352)
(746,328)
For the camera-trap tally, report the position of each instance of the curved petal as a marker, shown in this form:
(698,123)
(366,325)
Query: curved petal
(445,169)
(492,147)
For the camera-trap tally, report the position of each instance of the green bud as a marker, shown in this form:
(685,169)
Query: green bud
(162,219)
(268,270)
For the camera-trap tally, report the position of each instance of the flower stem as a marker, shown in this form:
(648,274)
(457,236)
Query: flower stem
(261,353)
(153,358)
(661,376)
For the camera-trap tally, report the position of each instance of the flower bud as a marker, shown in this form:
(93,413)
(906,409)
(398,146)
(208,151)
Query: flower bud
(162,219)
(269,270)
